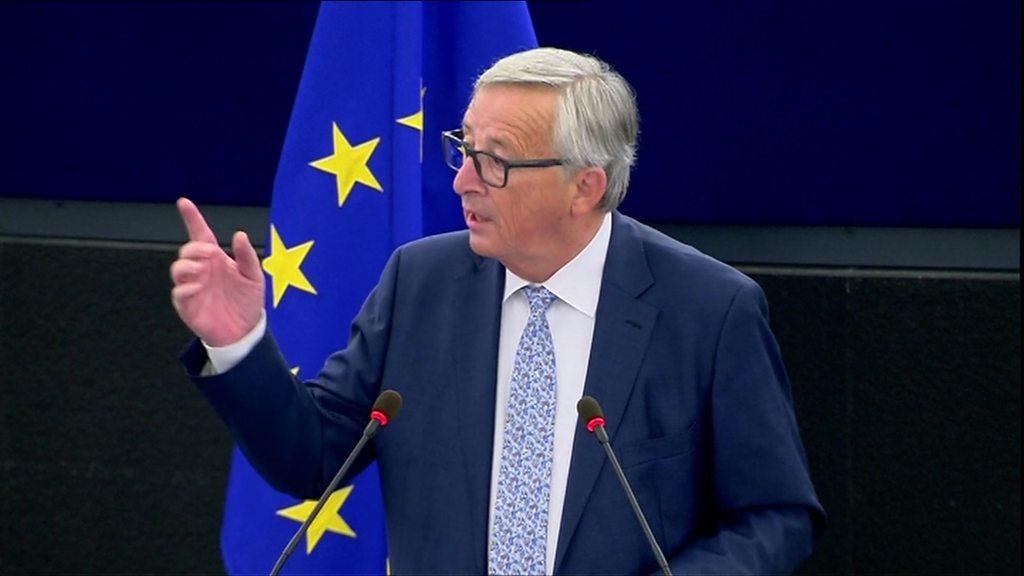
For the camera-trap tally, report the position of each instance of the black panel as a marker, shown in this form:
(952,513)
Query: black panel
(808,318)
(906,385)
(112,462)
(935,373)
(907,388)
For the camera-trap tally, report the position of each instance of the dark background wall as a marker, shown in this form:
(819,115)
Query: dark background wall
(800,113)
(907,390)
(906,372)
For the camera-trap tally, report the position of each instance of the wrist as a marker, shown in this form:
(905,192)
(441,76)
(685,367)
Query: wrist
(225,357)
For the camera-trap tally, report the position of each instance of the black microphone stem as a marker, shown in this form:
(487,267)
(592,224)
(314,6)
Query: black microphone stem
(602,437)
(369,432)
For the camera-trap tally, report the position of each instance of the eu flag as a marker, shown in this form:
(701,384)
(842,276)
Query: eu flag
(360,174)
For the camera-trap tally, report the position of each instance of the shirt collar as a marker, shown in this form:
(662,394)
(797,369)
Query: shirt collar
(578,283)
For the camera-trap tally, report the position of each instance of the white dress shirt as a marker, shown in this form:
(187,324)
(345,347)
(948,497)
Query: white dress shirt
(577,286)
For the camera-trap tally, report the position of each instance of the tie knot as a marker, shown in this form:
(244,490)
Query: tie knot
(540,298)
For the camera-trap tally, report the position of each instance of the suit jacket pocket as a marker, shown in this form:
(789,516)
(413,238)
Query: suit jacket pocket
(656,449)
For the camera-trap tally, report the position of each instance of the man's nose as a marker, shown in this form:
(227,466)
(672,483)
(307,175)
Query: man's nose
(467,180)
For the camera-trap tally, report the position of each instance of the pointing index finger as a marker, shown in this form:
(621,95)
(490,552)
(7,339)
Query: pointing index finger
(197,227)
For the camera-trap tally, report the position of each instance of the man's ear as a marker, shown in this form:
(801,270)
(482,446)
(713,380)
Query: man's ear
(591,184)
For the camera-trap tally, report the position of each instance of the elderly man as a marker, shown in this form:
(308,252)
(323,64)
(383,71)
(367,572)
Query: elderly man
(492,335)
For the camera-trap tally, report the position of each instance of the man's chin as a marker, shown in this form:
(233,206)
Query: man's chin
(480,246)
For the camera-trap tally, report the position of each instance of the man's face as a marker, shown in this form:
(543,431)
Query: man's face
(526,221)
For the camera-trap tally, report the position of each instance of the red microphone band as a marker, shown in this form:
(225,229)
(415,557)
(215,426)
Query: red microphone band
(594,423)
(379,417)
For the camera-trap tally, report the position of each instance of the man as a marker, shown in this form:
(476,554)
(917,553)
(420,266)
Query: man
(492,335)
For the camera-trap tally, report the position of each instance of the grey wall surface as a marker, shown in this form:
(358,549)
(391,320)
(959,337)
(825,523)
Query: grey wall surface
(906,384)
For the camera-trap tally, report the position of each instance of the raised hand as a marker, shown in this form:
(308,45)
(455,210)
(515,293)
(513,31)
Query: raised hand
(219,298)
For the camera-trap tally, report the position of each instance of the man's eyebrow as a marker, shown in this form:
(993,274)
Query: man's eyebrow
(500,142)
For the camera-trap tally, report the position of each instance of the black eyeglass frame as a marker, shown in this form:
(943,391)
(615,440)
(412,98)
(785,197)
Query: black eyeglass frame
(456,137)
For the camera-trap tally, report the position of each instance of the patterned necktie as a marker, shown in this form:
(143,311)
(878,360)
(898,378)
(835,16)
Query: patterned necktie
(520,532)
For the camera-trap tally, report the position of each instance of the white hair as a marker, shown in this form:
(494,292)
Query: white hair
(596,120)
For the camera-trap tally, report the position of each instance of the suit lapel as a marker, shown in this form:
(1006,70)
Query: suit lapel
(477,298)
(622,329)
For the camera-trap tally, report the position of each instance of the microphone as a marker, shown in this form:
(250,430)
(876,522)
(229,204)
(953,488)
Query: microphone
(592,417)
(384,409)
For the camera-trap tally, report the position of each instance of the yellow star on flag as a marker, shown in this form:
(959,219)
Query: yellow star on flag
(415,120)
(349,164)
(328,520)
(283,266)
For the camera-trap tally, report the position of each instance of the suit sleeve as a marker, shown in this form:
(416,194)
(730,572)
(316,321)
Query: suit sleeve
(297,434)
(769,514)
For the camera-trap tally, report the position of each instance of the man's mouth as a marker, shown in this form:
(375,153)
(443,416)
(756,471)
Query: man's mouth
(473,217)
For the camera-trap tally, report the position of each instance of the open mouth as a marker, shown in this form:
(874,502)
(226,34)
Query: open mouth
(473,217)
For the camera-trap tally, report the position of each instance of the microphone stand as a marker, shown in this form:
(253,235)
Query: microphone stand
(369,432)
(602,437)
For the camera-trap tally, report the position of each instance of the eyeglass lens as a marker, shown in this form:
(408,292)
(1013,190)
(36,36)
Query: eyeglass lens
(487,167)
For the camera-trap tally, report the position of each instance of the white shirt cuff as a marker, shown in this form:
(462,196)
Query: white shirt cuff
(224,358)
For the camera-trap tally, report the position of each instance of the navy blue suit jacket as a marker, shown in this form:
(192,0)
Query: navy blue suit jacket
(694,391)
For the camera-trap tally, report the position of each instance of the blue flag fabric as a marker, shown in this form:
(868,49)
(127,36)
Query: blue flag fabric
(360,174)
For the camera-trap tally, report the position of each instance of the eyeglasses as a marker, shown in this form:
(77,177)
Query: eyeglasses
(492,169)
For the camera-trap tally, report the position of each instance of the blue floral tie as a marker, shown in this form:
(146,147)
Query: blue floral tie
(520,532)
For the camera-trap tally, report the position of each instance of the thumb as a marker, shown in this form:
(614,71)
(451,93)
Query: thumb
(245,256)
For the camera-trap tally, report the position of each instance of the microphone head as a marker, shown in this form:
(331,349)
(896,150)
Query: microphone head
(590,412)
(387,405)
